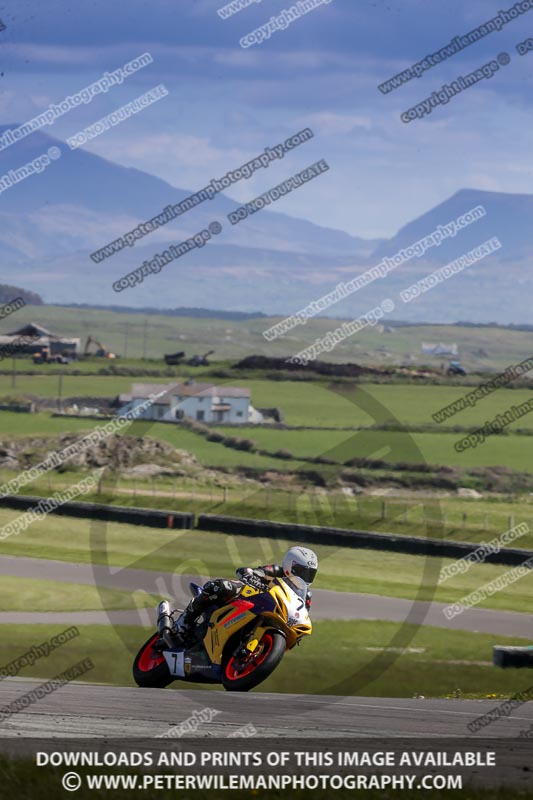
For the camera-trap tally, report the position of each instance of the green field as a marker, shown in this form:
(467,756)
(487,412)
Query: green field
(14,424)
(320,407)
(510,451)
(302,403)
(210,454)
(314,404)
(46,384)
(233,340)
(397,446)
(415,404)
(513,452)
(212,554)
(25,594)
(307,403)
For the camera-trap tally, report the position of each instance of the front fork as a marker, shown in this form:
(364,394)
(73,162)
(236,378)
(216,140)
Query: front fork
(246,649)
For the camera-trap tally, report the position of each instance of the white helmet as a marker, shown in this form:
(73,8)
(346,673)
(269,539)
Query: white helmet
(300,566)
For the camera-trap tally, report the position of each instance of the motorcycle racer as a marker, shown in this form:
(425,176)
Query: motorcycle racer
(298,569)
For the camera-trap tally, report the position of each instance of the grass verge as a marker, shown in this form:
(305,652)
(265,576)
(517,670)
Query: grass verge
(27,594)
(363,658)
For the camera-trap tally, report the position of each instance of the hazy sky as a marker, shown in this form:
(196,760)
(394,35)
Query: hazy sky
(226,103)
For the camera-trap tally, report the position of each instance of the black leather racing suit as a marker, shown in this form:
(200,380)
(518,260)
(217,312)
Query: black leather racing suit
(221,591)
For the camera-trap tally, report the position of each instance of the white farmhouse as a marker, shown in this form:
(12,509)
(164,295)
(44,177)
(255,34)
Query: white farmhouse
(203,402)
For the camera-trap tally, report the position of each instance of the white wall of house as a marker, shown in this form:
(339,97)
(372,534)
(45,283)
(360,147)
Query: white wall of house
(200,409)
(204,409)
(238,411)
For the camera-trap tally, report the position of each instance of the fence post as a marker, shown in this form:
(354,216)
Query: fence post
(511,522)
(225,494)
(383,509)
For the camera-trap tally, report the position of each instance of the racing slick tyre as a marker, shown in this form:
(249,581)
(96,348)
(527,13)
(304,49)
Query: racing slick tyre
(512,657)
(261,663)
(150,669)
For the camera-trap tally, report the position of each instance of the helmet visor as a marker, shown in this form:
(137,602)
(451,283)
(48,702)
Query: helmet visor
(305,572)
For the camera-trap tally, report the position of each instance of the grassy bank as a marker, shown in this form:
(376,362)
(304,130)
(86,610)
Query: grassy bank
(365,658)
(411,513)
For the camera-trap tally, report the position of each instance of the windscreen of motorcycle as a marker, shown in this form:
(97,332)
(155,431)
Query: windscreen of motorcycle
(296,609)
(299,590)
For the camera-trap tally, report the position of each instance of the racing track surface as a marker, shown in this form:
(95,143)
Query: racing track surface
(93,711)
(326,604)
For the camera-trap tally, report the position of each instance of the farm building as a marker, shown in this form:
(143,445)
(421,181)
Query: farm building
(203,402)
(32,338)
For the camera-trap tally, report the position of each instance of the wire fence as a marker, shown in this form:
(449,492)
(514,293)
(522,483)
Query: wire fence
(444,516)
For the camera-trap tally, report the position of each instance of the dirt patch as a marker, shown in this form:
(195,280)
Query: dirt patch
(320,367)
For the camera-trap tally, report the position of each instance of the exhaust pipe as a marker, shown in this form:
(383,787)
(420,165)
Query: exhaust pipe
(164,623)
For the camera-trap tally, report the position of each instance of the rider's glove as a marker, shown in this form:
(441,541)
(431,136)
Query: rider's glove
(308,600)
(251,576)
(244,572)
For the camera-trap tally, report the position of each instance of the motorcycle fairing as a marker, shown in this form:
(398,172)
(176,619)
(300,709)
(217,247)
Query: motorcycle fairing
(193,664)
(279,607)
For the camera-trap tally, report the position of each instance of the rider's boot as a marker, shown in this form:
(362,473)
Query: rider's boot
(185,623)
(184,626)
(215,591)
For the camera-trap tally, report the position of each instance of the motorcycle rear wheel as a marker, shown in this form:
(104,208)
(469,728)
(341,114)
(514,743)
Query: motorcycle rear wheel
(260,666)
(150,670)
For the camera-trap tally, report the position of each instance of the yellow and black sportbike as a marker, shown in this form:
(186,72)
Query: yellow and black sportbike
(238,645)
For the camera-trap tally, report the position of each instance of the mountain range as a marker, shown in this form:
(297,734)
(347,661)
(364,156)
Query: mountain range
(51,222)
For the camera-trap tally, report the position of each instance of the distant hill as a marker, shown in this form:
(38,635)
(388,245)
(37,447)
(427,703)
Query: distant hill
(51,222)
(195,313)
(508,216)
(82,201)
(9,293)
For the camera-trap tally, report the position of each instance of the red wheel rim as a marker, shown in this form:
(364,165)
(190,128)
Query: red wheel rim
(232,674)
(148,659)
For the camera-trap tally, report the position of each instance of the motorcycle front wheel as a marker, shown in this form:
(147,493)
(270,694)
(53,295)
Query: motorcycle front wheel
(150,670)
(261,663)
